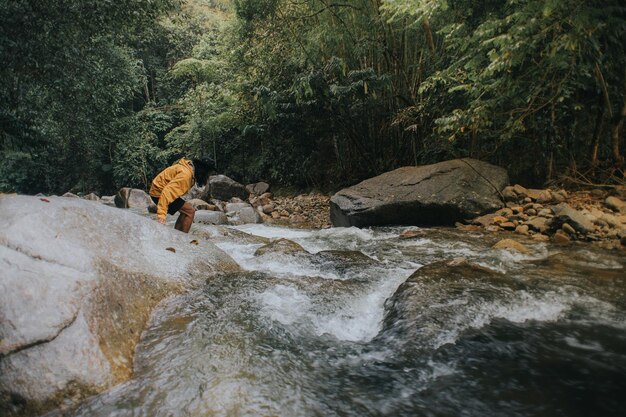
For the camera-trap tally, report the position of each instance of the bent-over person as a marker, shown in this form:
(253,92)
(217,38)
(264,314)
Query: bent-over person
(172,183)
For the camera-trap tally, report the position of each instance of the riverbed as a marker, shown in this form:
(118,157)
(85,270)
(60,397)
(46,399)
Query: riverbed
(311,333)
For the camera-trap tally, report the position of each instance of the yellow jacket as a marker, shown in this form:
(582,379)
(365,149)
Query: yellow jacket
(172,183)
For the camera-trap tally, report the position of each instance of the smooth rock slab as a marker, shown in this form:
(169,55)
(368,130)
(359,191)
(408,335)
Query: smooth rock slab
(79,281)
(438,194)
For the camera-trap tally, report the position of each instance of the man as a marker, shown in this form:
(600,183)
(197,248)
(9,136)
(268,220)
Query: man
(172,183)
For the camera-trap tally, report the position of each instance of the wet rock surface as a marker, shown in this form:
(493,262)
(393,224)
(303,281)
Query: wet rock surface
(79,283)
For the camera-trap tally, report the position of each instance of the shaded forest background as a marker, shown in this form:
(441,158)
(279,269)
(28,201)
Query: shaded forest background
(98,94)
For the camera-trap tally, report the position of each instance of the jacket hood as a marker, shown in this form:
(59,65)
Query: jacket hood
(189,165)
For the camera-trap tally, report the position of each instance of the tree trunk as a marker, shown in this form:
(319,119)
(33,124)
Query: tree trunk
(429,35)
(596,134)
(616,130)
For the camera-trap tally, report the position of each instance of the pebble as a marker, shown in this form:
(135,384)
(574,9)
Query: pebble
(522,229)
(560,237)
(568,229)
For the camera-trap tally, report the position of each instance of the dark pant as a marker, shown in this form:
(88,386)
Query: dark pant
(174,206)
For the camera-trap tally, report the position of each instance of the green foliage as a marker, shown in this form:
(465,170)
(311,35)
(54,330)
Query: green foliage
(312,93)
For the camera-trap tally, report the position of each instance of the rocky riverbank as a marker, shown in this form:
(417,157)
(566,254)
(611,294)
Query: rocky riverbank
(559,216)
(591,215)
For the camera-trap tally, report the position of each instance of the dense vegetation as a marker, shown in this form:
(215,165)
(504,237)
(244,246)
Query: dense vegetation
(95,94)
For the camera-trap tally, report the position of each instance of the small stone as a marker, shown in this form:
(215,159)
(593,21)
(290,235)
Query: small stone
(527,200)
(499,219)
(601,223)
(267,208)
(458,261)
(492,228)
(469,227)
(540,237)
(92,197)
(297,218)
(511,245)
(409,234)
(531,212)
(568,229)
(509,194)
(560,237)
(522,229)
(518,217)
(508,225)
(506,212)
(540,224)
(615,204)
(597,193)
(517,209)
(546,212)
(562,193)
(485,220)
(280,246)
(520,191)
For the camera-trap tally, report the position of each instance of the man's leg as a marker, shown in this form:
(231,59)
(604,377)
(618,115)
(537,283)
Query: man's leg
(185,218)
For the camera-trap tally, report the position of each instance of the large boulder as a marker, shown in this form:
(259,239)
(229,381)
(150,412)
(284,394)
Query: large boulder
(79,282)
(439,194)
(258,188)
(223,188)
(241,213)
(134,198)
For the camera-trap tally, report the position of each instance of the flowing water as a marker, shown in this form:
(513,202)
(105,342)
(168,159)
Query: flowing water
(311,334)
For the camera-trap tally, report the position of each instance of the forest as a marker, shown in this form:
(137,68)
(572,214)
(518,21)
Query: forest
(310,94)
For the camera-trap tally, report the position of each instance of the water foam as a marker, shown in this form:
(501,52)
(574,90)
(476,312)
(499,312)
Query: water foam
(524,307)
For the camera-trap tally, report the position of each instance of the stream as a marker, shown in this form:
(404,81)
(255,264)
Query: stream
(311,334)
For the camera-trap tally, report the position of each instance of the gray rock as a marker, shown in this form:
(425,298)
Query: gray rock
(598,193)
(615,204)
(258,188)
(539,224)
(560,237)
(520,191)
(511,245)
(210,217)
(281,246)
(241,213)
(92,197)
(439,194)
(546,212)
(198,204)
(565,214)
(223,188)
(70,195)
(522,229)
(134,198)
(109,200)
(509,194)
(420,311)
(568,229)
(79,282)
(540,196)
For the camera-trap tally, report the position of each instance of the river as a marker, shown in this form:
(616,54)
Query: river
(313,334)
